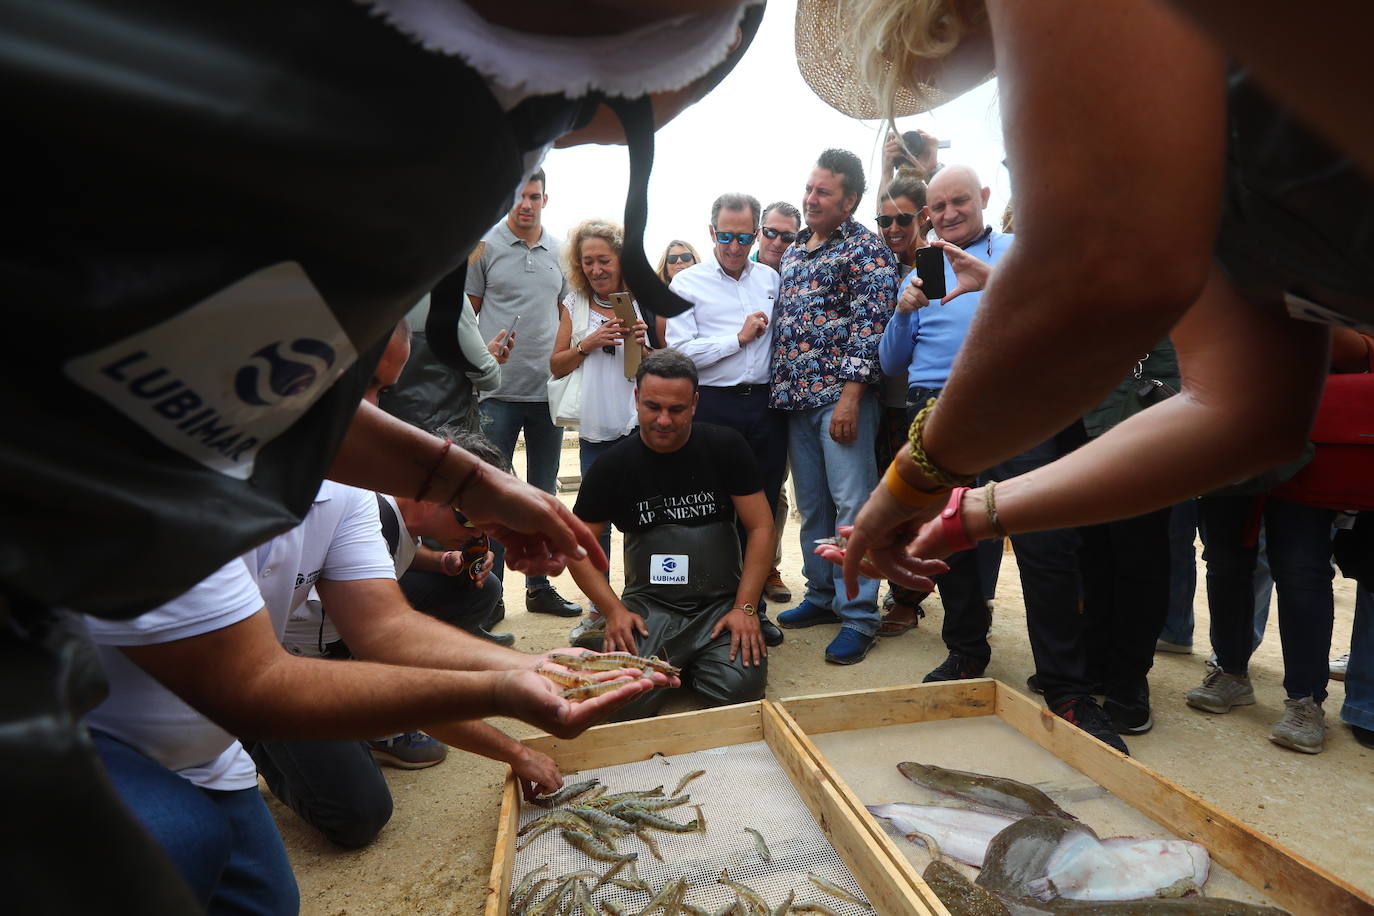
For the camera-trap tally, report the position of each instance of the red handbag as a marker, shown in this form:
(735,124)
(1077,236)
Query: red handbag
(1341,473)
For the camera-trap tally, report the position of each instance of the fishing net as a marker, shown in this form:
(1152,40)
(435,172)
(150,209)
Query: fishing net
(744,786)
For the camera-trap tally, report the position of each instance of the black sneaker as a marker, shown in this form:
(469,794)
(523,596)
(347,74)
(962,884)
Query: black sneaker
(1033,684)
(1129,710)
(1363,735)
(1087,715)
(956,668)
(548,601)
(772,636)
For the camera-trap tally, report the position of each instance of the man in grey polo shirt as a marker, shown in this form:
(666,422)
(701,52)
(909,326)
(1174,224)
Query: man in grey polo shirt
(517,278)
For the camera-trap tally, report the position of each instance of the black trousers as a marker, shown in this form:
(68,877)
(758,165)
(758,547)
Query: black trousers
(744,408)
(1126,582)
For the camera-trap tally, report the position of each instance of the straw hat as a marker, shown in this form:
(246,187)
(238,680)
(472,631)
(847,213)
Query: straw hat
(833,73)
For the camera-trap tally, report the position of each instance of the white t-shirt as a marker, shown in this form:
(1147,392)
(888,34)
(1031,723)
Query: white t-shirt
(707,333)
(340,540)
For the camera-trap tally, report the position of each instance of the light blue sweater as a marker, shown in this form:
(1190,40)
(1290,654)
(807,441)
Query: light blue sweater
(923,343)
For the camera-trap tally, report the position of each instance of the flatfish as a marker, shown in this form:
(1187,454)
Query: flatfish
(961,834)
(995,792)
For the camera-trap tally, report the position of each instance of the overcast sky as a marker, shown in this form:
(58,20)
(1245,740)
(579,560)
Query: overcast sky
(759,133)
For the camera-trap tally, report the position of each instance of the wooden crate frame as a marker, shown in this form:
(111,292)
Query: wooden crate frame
(1292,881)
(890,882)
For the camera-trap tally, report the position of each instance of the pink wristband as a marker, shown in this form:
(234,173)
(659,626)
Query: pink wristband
(952,522)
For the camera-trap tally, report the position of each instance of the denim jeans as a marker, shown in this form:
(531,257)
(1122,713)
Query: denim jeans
(335,786)
(1299,547)
(587,453)
(1359,675)
(833,481)
(224,844)
(1183,529)
(502,422)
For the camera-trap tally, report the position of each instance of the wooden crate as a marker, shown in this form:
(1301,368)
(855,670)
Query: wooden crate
(1287,878)
(891,884)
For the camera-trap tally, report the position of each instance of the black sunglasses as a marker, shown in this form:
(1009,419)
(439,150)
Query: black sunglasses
(769,233)
(686,257)
(903,219)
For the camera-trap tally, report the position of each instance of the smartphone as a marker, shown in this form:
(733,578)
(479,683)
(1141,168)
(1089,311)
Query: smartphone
(513,323)
(930,267)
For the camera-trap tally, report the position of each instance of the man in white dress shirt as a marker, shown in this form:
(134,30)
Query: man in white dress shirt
(728,334)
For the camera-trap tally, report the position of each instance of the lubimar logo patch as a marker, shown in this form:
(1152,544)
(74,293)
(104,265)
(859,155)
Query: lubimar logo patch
(228,375)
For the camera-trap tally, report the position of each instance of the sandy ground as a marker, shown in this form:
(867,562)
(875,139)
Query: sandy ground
(434,856)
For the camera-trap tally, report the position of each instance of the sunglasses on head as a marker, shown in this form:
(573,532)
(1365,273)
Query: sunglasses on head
(686,257)
(788,237)
(744,238)
(903,219)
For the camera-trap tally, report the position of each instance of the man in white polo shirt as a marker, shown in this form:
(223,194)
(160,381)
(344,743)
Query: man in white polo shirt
(728,334)
(187,677)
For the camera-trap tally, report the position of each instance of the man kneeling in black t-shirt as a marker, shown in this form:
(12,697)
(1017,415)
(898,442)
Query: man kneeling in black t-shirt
(674,492)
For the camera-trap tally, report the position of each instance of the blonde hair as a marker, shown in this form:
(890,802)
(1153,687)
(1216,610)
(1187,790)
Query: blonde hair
(663,258)
(889,38)
(610,232)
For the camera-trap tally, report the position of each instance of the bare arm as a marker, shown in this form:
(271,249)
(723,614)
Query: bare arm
(278,695)
(565,357)
(1075,318)
(537,772)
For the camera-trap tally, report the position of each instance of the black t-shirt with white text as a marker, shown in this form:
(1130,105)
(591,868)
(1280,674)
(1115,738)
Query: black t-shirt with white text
(635,488)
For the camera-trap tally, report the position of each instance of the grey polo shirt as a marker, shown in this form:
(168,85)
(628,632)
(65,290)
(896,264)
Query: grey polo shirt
(514,279)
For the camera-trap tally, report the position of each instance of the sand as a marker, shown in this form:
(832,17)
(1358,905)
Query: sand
(434,855)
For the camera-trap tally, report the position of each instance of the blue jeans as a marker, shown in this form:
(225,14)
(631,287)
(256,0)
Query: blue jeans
(833,482)
(223,843)
(1178,626)
(1359,676)
(502,422)
(587,453)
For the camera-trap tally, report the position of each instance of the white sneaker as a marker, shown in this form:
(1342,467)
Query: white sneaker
(1302,728)
(590,625)
(1338,666)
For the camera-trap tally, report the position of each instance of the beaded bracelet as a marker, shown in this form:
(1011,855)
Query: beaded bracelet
(991,502)
(934,473)
(434,469)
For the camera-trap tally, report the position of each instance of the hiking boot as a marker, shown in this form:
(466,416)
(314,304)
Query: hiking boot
(849,647)
(805,615)
(1220,691)
(1129,709)
(1087,715)
(1303,726)
(548,601)
(955,667)
(1338,666)
(411,751)
(772,636)
(775,590)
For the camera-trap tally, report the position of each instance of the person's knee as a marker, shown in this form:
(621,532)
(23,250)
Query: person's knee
(360,824)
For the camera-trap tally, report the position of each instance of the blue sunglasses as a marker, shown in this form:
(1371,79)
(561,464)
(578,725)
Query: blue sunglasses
(744,238)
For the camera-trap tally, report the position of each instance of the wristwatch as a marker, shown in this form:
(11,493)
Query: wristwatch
(748,609)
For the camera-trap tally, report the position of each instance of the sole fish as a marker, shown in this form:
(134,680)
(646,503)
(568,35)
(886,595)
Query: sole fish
(961,834)
(1186,906)
(1043,858)
(996,792)
(960,895)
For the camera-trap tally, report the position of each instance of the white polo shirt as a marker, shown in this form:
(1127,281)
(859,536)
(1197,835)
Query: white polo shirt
(707,332)
(340,539)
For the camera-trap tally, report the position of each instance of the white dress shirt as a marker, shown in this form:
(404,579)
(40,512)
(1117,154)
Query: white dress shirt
(708,332)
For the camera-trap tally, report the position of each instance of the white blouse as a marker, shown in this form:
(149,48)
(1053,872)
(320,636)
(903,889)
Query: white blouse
(608,397)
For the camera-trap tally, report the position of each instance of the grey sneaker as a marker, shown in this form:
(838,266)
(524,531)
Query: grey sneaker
(1221,691)
(1303,726)
(591,625)
(410,751)
(1338,666)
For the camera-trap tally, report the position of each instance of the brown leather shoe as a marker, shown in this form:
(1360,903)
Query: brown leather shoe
(775,590)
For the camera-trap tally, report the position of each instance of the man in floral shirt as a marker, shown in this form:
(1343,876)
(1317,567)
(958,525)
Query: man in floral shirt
(839,284)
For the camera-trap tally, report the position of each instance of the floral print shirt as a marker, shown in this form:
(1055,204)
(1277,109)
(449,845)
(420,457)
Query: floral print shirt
(830,313)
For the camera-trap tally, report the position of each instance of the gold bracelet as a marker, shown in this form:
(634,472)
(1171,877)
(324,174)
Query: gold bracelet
(935,474)
(905,493)
(990,501)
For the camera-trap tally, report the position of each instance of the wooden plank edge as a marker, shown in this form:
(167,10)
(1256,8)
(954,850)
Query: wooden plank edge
(851,709)
(1292,880)
(503,860)
(679,733)
(887,877)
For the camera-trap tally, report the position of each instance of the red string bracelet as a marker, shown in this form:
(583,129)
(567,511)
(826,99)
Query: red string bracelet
(434,469)
(462,484)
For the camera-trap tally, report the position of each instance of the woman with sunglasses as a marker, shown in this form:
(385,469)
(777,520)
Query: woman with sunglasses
(677,257)
(590,340)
